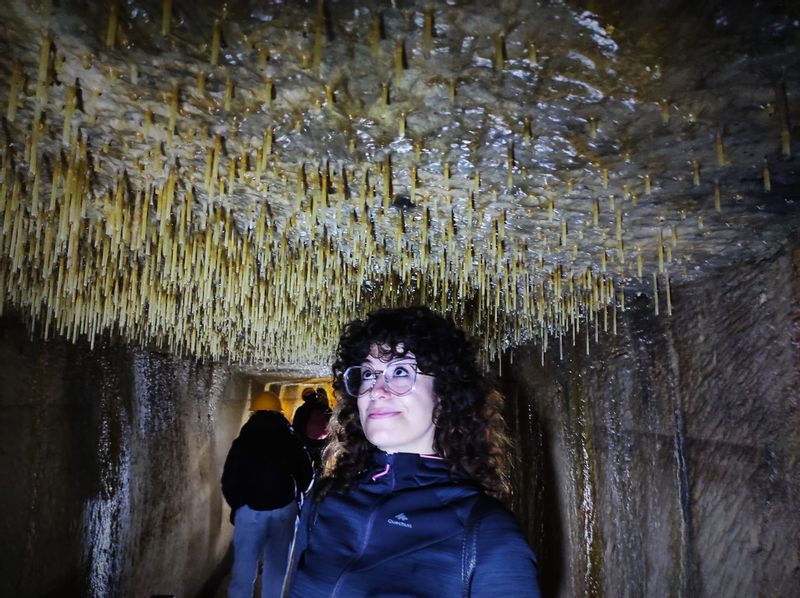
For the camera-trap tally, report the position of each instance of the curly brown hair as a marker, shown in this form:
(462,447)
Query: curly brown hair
(470,431)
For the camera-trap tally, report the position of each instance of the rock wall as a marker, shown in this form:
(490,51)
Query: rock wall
(110,466)
(665,462)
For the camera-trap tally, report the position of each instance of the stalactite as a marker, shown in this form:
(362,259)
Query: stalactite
(259,193)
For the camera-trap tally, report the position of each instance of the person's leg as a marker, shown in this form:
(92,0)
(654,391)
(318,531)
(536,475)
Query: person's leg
(248,534)
(280,531)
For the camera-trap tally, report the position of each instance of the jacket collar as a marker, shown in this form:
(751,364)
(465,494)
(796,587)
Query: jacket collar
(411,469)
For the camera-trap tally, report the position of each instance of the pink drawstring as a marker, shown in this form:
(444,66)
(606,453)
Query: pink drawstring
(381,474)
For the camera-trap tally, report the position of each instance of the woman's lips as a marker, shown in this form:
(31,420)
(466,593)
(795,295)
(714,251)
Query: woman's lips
(381,414)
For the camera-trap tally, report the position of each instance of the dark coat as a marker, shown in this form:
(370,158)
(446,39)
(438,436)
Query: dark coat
(401,532)
(267,467)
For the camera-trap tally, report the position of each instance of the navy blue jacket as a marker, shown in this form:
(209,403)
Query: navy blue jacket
(401,531)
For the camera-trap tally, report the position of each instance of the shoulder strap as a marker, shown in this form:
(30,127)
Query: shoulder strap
(469,550)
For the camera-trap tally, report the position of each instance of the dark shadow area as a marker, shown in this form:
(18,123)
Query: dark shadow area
(213,586)
(535,489)
(550,548)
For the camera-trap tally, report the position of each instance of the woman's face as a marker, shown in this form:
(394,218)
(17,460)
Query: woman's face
(398,424)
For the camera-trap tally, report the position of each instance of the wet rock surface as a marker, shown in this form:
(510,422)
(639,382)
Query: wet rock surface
(664,463)
(110,468)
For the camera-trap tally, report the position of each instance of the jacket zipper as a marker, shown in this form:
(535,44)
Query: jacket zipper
(367,534)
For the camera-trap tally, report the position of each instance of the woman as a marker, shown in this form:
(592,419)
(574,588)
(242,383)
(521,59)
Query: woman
(417,449)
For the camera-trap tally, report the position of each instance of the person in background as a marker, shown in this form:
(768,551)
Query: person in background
(264,476)
(407,504)
(310,423)
(302,413)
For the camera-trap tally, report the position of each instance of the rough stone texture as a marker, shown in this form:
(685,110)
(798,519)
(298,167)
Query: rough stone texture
(110,468)
(665,462)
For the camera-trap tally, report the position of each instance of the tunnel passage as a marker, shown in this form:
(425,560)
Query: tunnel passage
(605,195)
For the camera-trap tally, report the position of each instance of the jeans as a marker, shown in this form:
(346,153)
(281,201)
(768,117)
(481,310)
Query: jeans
(265,534)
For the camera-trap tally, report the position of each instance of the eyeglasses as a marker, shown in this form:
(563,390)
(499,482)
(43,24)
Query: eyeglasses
(399,377)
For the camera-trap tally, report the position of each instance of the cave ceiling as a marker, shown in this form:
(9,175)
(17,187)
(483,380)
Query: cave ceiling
(236,180)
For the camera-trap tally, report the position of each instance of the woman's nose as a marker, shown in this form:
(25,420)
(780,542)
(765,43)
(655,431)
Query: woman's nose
(380,385)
